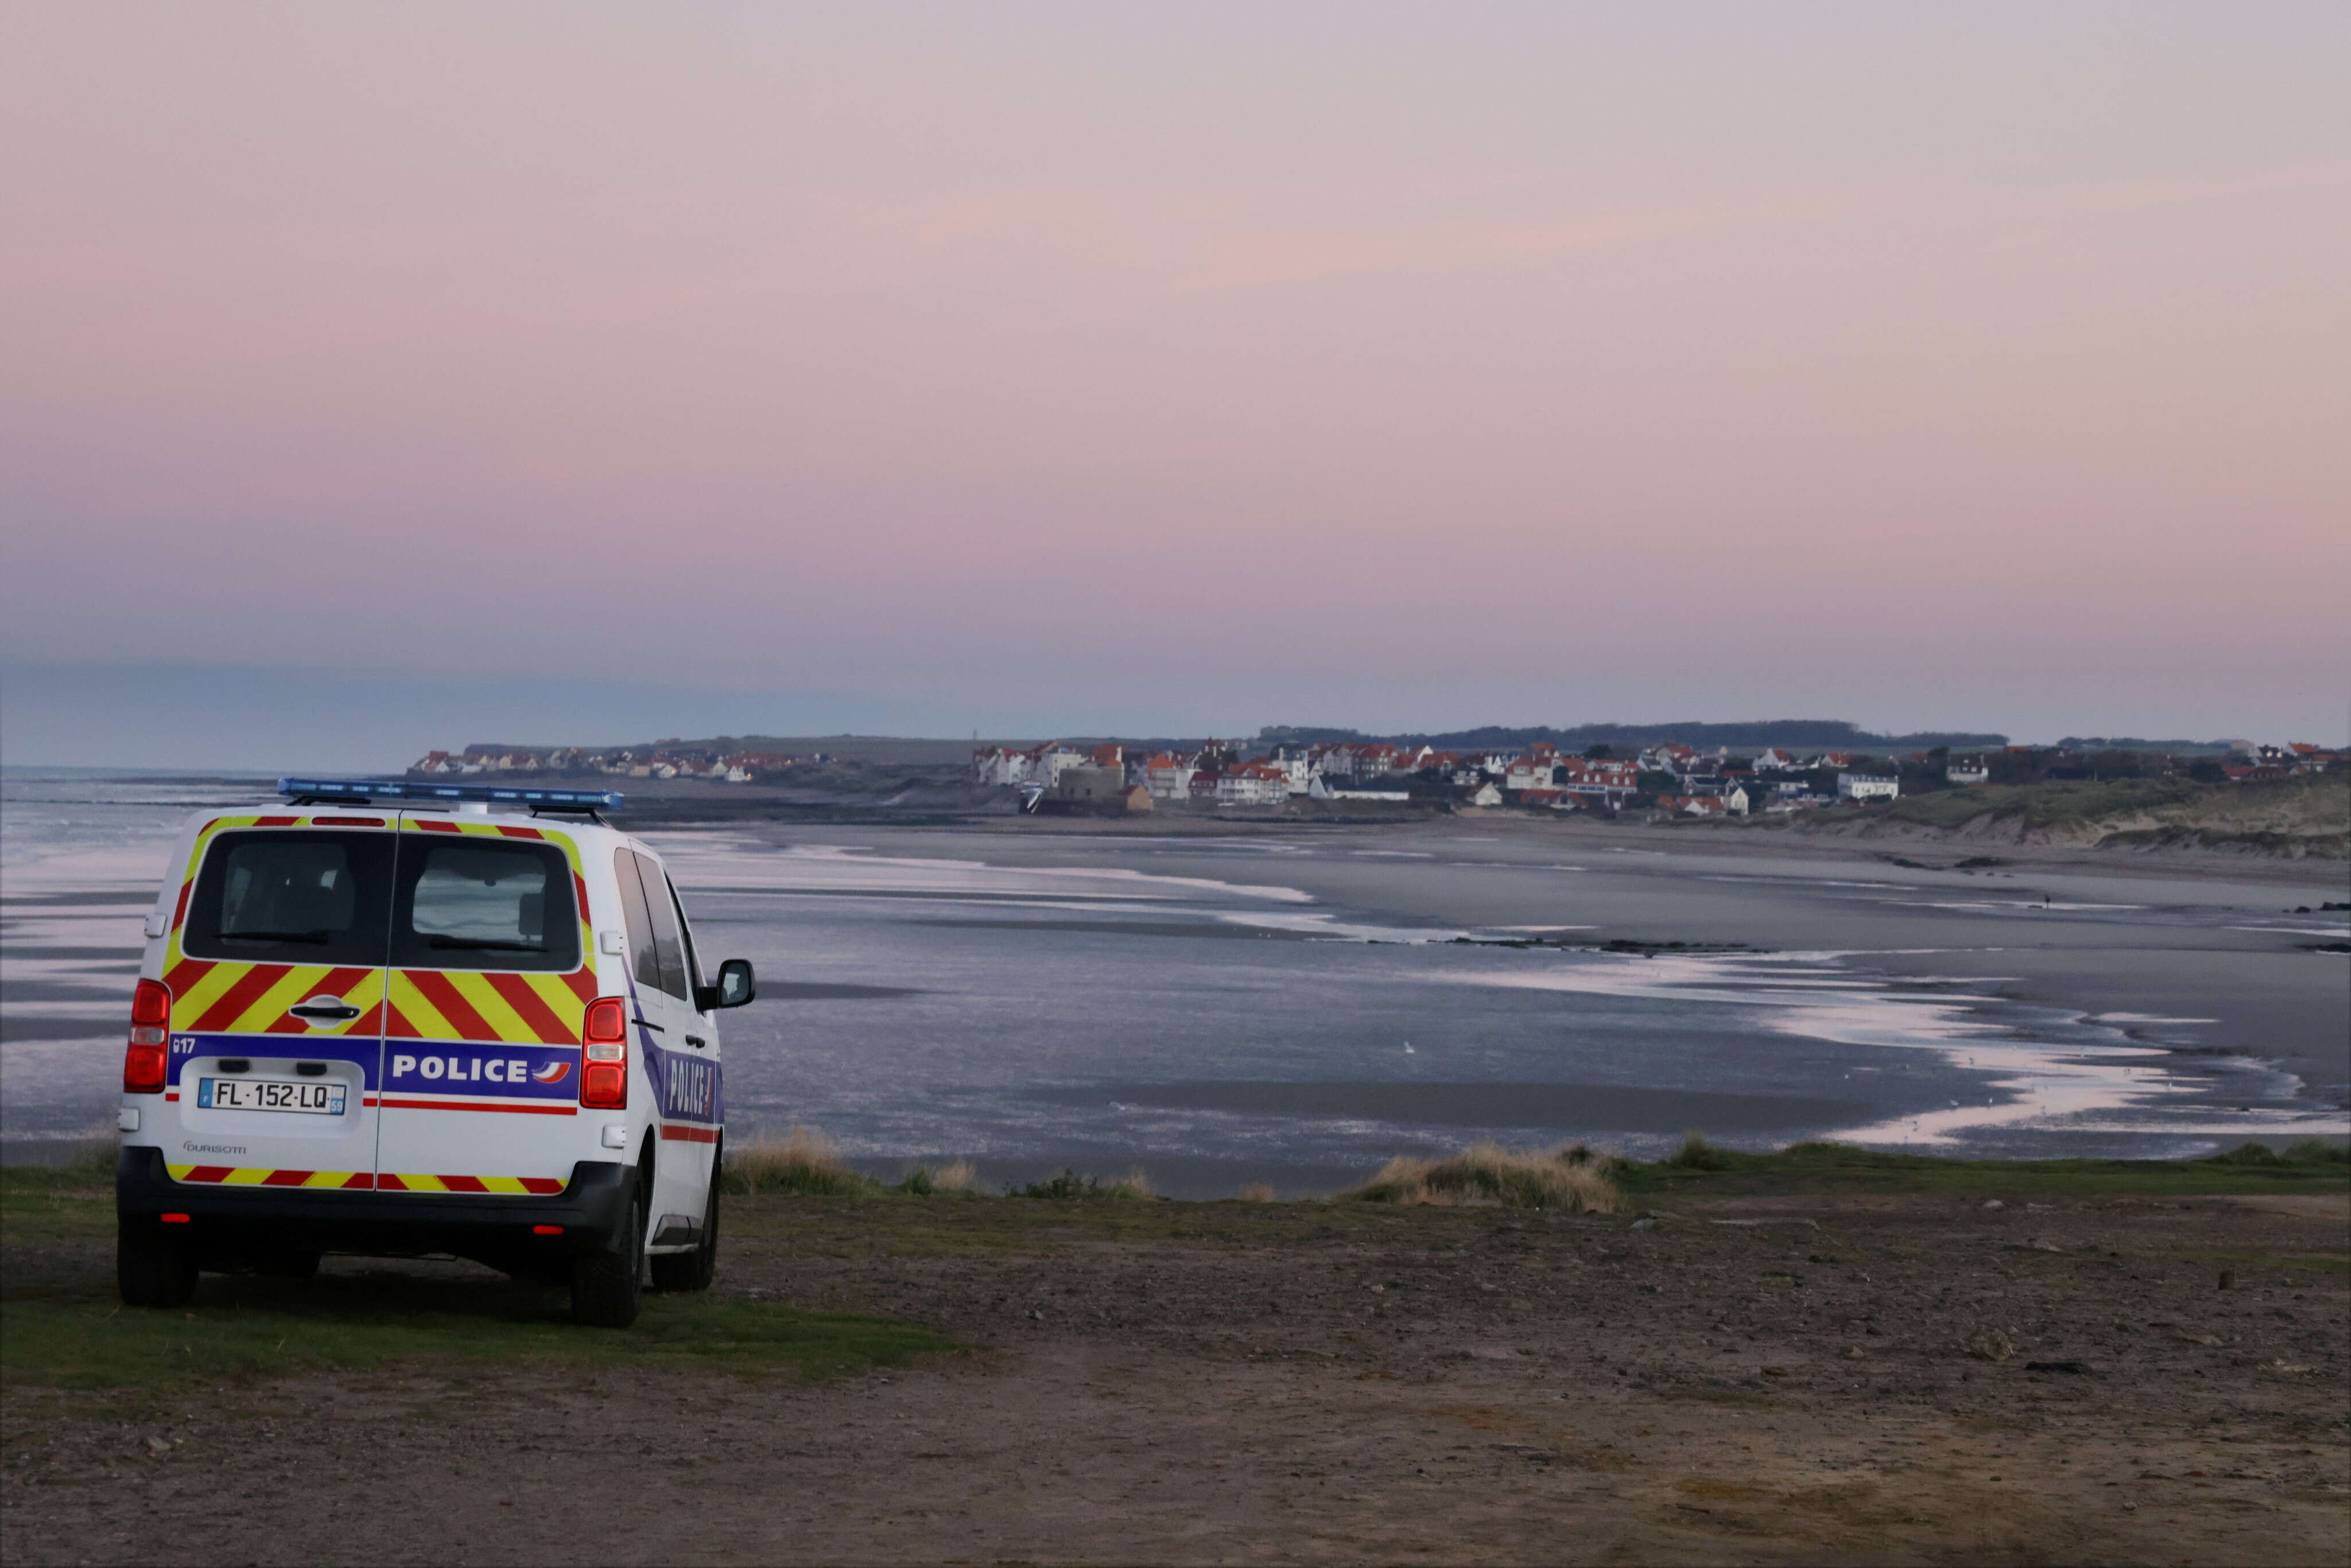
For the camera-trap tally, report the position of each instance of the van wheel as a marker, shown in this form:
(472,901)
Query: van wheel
(153,1266)
(693,1270)
(607,1283)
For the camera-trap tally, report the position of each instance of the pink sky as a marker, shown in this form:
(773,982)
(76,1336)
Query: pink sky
(1082,368)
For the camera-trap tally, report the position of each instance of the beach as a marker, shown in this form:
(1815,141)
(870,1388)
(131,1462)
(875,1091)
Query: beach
(1269,1004)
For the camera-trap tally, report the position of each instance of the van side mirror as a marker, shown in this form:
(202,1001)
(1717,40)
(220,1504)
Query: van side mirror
(736,984)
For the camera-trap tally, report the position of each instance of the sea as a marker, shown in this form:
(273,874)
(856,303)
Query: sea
(1296,1007)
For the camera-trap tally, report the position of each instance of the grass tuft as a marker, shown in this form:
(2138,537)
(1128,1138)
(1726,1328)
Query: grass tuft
(98,1151)
(1069,1186)
(1489,1173)
(1697,1155)
(955,1177)
(803,1161)
(1257,1192)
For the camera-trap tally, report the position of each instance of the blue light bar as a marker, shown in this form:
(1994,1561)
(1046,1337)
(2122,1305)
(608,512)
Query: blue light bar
(414,789)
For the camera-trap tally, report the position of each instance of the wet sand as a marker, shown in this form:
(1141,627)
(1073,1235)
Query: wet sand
(2211,940)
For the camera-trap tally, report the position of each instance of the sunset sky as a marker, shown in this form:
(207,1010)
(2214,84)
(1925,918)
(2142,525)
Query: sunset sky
(374,376)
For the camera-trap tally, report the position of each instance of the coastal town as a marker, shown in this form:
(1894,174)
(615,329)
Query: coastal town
(1659,778)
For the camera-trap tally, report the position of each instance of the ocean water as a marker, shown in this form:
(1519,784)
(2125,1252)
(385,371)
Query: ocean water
(1294,1011)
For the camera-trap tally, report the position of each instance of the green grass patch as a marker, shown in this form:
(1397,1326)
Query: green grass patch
(53,1200)
(2061,803)
(1700,1167)
(2229,1257)
(240,1330)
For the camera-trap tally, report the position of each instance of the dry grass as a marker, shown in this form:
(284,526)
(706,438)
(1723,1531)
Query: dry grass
(1257,1192)
(927,1181)
(803,1161)
(96,1151)
(1489,1173)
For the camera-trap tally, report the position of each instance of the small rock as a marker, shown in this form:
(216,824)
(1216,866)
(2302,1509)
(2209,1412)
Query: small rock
(157,1445)
(1853,1353)
(1775,1371)
(1994,1203)
(1990,1345)
(1646,1222)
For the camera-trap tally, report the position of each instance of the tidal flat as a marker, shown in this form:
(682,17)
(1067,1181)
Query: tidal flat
(1226,1007)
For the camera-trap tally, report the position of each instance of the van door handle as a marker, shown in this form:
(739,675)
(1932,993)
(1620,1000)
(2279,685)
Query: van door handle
(337,1012)
(696,1042)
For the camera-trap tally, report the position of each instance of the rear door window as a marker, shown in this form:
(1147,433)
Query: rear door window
(484,904)
(303,897)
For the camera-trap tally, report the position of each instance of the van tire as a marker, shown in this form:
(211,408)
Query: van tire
(693,1270)
(607,1283)
(153,1266)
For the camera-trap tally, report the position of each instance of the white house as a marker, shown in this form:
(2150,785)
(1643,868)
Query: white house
(1968,771)
(1529,772)
(1867,786)
(1325,789)
(1486,795)
(1000,766)
(1253,784)
(1296,772)
(1048,761)
(1168,777)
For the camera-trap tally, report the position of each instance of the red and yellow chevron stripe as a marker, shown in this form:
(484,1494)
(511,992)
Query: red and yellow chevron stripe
(510,1186)
(247,1175)
(231,998)
(463,1004)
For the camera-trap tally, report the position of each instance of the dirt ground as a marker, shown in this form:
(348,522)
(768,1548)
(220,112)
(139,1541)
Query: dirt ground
(1745,1380)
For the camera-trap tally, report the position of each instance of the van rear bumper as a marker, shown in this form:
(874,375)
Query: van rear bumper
(231,1222)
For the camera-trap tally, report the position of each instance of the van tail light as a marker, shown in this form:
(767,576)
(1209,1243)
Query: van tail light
(151,1023)
(604,1055)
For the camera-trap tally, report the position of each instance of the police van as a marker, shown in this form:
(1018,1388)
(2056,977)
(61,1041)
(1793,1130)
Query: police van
(409,1017)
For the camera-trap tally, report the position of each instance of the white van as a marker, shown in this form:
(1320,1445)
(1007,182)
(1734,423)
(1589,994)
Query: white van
(399,1018)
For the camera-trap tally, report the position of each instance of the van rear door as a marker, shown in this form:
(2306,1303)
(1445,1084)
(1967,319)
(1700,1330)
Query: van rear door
(275,960)
(490,975)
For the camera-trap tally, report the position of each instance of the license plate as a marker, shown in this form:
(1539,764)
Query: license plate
(270,1094)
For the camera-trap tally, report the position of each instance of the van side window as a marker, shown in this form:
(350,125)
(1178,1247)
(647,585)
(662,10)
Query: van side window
(645,962)
(669,944)
(693,965)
